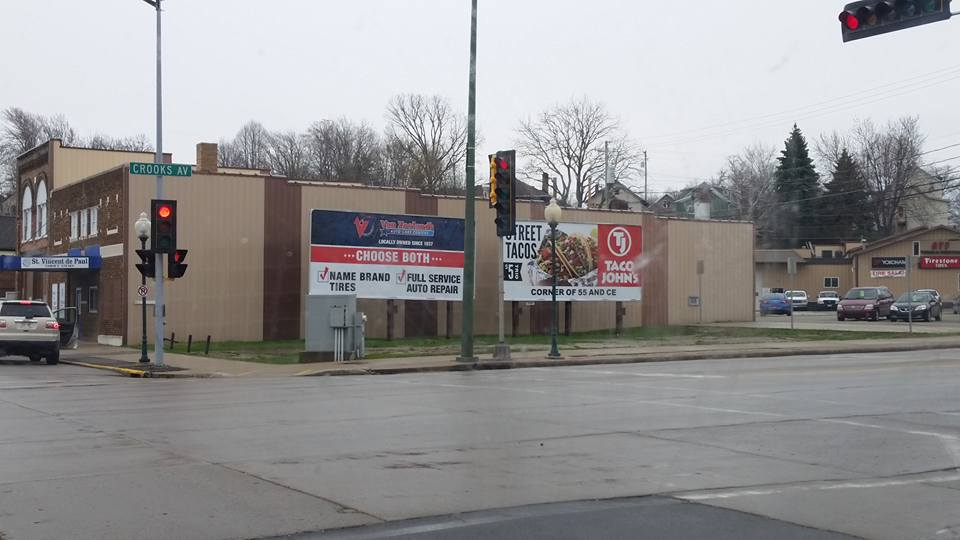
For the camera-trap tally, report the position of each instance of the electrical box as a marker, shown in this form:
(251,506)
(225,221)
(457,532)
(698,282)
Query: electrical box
(335,330)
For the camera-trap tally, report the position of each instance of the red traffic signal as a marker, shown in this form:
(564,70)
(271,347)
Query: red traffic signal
(873,17)
(175,266)
(163,221)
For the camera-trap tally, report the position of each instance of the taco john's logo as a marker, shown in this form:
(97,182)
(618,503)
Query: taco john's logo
(619,270)
(618,241)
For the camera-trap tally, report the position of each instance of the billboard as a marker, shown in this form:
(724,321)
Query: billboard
(594,262)
(387,256)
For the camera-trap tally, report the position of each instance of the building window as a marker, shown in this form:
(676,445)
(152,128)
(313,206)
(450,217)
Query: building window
(93,300)
(74,225)
(27,209)
(828,254)
(42,209)
(916,249)
(79,299)
(94,211)
(831,282)
(84,222)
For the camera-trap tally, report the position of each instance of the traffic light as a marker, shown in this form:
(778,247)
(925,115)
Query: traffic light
(164,224)
(872,17)
(147,265)
(493,179)
(175,266)
(503,180)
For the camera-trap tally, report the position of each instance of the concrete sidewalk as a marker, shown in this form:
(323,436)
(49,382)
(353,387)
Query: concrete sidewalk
(125,360)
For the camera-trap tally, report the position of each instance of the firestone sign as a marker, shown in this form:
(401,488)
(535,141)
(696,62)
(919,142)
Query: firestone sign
(934,262)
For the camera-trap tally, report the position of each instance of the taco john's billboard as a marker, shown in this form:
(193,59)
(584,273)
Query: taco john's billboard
(391,256)
(594,262)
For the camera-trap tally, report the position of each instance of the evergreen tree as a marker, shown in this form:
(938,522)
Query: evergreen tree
(797,186)
(846,201)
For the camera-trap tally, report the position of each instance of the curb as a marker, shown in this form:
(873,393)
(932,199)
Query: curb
(139,373)
(670,357)
(125,371)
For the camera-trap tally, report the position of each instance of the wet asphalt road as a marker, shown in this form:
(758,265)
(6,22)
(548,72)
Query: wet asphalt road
(798,447)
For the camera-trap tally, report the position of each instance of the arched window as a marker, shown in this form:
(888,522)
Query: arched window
(42,209)
(27,210)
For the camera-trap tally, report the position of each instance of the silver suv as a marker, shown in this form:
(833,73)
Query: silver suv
(28,329)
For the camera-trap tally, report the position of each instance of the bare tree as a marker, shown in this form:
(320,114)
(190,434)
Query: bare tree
(136,143)
(749,181)
(430,136)
(567,142)
(289,154)
(250,148)
(891,161)
(344,151)
(23,130)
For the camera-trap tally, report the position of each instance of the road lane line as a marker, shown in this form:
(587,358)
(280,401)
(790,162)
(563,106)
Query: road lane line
(823,486)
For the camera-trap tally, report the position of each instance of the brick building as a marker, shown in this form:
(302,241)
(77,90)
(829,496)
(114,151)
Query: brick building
(247,233)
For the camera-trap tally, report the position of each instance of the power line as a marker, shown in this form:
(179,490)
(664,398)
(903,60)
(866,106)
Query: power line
(933,74)
(812,114)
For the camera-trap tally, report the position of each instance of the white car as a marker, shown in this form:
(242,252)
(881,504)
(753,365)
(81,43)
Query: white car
(828,300)
(27,328)
(798,299)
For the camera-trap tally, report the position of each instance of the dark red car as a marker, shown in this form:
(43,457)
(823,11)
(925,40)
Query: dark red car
(869,303)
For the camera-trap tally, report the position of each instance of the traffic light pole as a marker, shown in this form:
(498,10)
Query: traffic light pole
(158,314)
(502,350)
(469,222)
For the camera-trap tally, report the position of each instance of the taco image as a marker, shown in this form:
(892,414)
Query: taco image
(576,256)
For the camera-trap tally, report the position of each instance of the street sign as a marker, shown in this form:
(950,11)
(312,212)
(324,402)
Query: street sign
(161,169)
(142,291)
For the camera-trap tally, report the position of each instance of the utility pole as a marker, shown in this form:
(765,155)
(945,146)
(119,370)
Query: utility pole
(645,194)
(159,311)
(469,222)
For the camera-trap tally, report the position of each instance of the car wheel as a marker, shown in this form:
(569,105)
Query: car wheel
(53,358)
(939,316)
(839,317)
(35,357)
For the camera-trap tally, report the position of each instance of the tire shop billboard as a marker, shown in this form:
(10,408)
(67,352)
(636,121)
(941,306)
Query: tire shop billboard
(594,262)
(387,256)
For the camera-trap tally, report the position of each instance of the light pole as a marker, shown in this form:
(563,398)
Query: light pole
(469,220)
(142,228)
(553,213)
(158,311)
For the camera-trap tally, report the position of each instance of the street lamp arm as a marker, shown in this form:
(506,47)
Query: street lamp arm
(154,3)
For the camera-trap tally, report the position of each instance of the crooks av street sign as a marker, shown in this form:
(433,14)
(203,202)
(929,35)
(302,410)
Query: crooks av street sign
(161,169)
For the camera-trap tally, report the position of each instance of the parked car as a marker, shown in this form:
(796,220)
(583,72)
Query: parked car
(828,300)
(933,292)
(798,299)
(27,328)
(924,305)
(774,303)
(865,303)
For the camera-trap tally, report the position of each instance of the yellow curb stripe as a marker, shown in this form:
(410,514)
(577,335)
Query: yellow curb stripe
(125,371)
(304,372)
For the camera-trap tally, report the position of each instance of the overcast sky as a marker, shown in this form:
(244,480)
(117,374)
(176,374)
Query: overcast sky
(691,87)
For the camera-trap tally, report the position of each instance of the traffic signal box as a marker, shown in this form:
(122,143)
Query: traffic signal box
(163,222)
(872,17)
(503,198)
(175,266)
(147,265)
